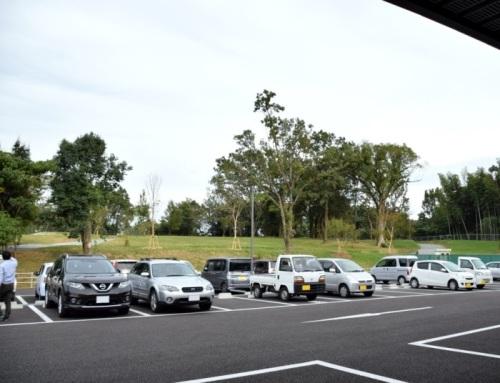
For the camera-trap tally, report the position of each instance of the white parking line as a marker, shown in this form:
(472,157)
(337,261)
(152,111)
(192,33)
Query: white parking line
(221,308)
(332,366)
(268,301)
(140,312)
(44,317)
(368,315)
(425,342)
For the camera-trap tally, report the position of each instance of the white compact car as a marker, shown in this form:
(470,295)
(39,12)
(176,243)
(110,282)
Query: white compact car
(482,275)
(494,267)
(440,274)
(40,279)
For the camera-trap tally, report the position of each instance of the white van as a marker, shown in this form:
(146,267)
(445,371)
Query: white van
(440,274)
(482,275)
(393,268)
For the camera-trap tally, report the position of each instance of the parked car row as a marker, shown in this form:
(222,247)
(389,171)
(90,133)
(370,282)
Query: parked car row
(83,282)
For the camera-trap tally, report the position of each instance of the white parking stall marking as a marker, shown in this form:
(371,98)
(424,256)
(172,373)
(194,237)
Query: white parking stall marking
(369,315)
(140,312)
(425,342)
(221,308)
(332,366)
(268,301)
(44,317)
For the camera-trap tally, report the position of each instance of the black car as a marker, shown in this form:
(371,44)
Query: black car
(83,282)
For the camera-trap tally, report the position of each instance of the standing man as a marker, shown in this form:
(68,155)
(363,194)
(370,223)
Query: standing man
(7,278)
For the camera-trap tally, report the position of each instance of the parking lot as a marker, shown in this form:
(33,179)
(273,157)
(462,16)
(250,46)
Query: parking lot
(399,334)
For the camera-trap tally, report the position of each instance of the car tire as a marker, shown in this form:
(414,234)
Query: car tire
(311,297)
(284,294)
(123,310)
(48,303)
(62,311)
(257,291)
(414,283)
(205,306)
(154,304)
(368,293)
(344,291)
(401,280)
(453,285)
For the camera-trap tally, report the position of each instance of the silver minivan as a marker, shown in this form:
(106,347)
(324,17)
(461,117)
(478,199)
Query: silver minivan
(394,268)
(228,274)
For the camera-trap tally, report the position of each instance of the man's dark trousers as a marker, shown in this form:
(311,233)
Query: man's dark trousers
(6,291)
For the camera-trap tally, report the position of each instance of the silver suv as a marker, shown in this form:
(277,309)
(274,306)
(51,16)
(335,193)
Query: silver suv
(169,282)
(394,268)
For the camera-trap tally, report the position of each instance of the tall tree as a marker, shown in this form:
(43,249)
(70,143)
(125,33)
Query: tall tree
(85,179)
(383,172)
(277,166)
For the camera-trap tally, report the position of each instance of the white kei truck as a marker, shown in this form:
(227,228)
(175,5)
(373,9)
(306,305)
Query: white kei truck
(294,275)
(482,275)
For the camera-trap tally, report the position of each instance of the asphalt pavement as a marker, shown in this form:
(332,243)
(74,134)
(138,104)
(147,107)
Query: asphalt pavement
(399,334)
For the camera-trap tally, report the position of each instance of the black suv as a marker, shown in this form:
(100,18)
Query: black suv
(86,282)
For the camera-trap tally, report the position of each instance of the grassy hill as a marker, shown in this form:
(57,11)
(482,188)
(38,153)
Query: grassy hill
(198,249)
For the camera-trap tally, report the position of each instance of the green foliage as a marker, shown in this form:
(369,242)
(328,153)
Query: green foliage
(10,230)
(85,182)
(183,218)
(341,230)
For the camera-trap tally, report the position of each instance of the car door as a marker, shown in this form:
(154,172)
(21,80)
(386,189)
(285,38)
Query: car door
(39,281)
(132,277)
(495,270)
(437,276)
(209,271)
(421,273)
(285,275)
(380,270)
(53,281)
(330,276)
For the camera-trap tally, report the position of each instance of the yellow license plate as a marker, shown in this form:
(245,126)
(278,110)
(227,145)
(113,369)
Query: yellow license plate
(306,287)
(468,285)
(242,278)
(362,287)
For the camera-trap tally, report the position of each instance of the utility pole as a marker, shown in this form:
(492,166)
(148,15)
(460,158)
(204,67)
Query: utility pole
(252,222)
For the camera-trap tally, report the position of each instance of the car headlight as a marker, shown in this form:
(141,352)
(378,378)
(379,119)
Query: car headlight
(169,288)
(76,285)
(209,287)
(124,284)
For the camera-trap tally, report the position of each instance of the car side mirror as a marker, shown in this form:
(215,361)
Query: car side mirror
(118,270)
(145,274)
(205,268)
(443,270)
(36,273)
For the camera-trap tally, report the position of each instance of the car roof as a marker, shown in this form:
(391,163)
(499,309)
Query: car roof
(124,260)
(400,256)
(83,256)
(230,258)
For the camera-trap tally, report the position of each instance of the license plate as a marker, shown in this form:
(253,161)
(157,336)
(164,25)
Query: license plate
(362,287)
(194,298)
(102,299)
(306,287)
(468,285)
(242,278)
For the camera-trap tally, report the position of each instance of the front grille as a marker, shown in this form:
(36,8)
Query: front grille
(90,300)
(192,289)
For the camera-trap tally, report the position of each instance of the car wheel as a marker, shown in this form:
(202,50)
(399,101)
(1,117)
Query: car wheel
(311,297)
(257,291)
(401,280)
(368,293)
(344,291)
(414,283)
(62,311)
(123,310)
(453,285)
(48,303)
(223,287)
(480,286)
(153,302)
(205,306)
(284,294)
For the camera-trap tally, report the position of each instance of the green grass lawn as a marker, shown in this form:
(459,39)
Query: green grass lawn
(198,249)
(46,238)
(471,247)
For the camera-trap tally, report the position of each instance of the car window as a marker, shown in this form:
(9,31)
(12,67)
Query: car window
(436,266)
(382,263)
(210,266)
(89,266)
(220,265)
(58,264)
(41,269)
(391,263)
(412,262)
(423,265)
(239,265)
(326,265)
(403,262)
(465,264)
(171,270)
(285,264)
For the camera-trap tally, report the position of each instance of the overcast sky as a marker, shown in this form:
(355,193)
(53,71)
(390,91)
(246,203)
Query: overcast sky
(167,84)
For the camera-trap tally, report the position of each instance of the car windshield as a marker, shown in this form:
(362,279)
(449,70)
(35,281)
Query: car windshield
(478,264)
(349,266)
(306,264)
(171,270)
(89,266)
(451,266)
(242,265)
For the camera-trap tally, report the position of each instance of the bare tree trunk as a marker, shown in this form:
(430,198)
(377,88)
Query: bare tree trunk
(325,228)
(86,237)
(381,226)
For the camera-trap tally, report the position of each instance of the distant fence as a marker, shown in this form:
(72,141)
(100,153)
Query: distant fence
(25,280)
(463,237)
(454,258)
